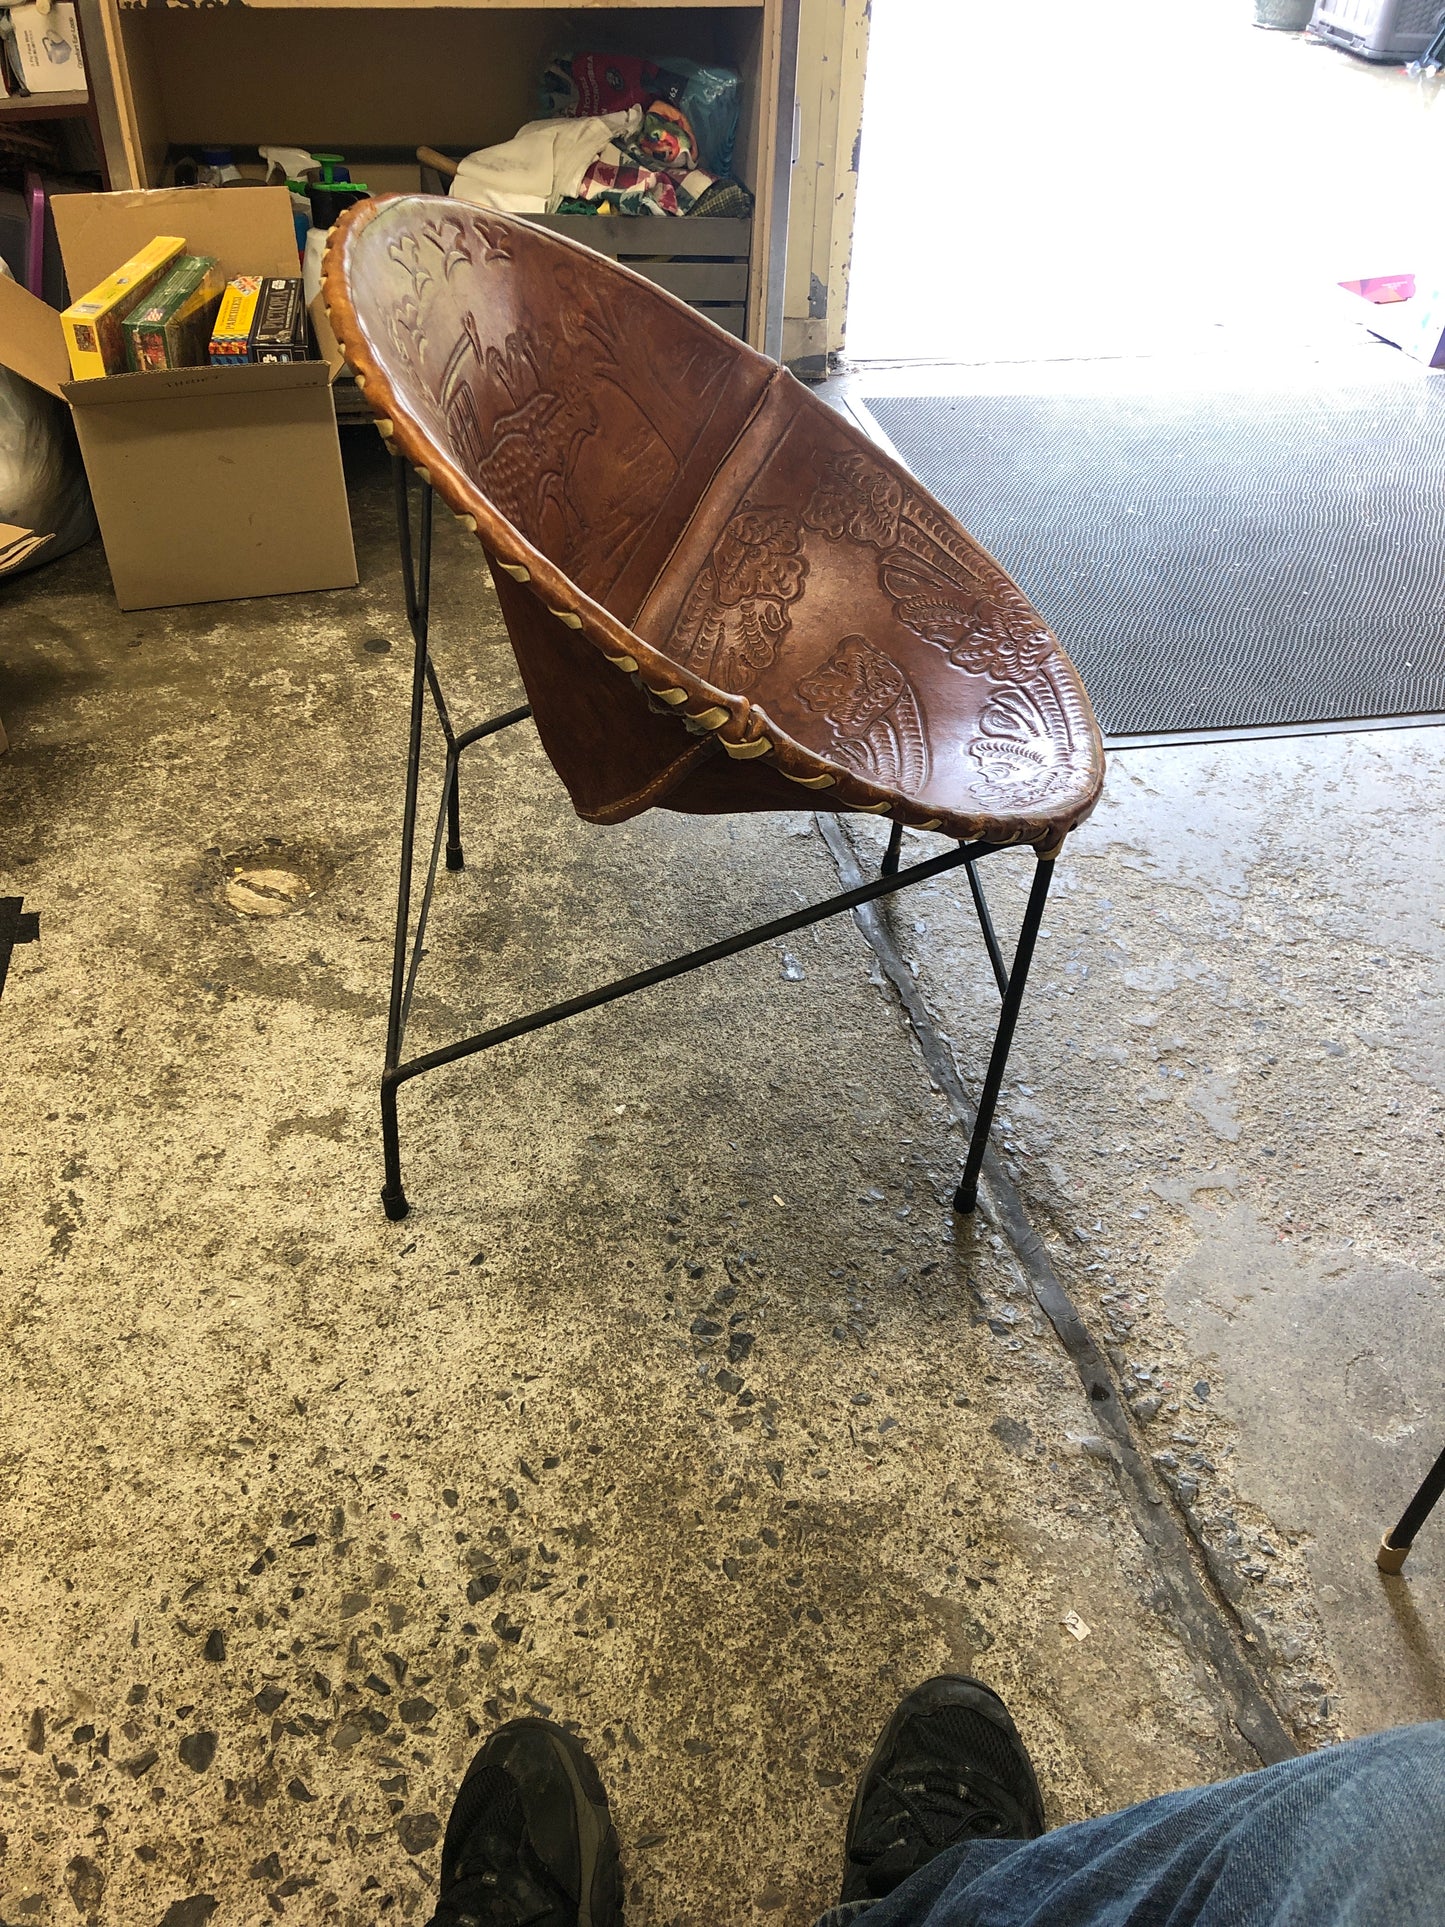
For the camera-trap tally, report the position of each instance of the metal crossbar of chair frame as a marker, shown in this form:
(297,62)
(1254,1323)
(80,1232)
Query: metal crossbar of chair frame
(408,949)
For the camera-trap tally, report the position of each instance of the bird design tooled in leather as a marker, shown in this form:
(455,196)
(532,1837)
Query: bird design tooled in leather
(943,588)
(532,446)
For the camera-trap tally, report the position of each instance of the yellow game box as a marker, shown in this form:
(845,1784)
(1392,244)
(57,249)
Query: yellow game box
(231,336)
(93,335)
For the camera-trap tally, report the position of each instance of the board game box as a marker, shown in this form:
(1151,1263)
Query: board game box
(261,318)
(92,325)
(172,326)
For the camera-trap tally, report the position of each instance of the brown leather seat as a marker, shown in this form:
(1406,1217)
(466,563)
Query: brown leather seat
(721,595)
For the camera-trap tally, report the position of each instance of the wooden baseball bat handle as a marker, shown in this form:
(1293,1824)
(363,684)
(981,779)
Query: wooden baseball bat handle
(429,157)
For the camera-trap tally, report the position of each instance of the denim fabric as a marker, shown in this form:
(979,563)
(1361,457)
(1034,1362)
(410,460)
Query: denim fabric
(1353,1836)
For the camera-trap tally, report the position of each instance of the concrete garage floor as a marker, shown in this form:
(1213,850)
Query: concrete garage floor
(680,1407)
(1227,1121)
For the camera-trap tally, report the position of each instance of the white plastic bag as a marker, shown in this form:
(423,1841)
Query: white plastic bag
(42,481)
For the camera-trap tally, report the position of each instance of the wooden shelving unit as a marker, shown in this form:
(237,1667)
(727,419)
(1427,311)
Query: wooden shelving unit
(381,77)
(71,106)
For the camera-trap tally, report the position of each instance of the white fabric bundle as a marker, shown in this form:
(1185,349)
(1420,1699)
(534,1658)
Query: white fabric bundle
(542,164)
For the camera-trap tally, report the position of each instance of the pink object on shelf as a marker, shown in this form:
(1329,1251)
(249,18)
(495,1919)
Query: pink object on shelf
(1382,288)
(35,238)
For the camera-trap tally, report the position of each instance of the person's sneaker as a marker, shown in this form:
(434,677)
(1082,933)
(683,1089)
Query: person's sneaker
(949,1766)
(530,1839)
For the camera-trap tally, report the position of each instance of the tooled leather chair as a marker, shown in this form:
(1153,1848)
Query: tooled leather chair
(720,594)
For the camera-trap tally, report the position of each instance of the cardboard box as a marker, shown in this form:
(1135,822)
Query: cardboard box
(47,48)
(18,545)
(209,483)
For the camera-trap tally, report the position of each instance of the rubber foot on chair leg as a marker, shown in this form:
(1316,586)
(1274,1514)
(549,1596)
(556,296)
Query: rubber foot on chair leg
(965,1201)
(394,1203)
(455,860)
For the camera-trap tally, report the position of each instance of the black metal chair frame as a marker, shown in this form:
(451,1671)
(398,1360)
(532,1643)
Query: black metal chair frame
(408,950)
(1395,1546)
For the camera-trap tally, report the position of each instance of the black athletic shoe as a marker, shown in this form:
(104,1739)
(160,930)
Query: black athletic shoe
(530,1842)
(948,1766)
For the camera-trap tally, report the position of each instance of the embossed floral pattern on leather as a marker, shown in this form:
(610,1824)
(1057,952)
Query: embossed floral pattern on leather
(736,614)
(856,497)
(1033,743)
(869,704)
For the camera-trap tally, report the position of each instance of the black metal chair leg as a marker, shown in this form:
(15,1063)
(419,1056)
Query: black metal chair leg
(455,859)
(416,580)
(966,1196)
(889,866)
(1395,1546)
(454,749)
(393,1199)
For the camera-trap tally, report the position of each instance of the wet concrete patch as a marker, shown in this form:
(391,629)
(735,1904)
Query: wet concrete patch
(1328,1349)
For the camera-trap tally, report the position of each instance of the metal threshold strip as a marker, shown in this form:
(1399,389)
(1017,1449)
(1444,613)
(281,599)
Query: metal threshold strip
(1271,732)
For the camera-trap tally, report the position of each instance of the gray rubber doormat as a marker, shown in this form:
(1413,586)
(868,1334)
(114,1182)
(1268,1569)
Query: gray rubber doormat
(1219,561)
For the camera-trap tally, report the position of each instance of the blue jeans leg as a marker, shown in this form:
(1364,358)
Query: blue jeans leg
(1352,1836)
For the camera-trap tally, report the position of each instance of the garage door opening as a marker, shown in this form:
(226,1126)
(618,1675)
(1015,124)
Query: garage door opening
(1126,179)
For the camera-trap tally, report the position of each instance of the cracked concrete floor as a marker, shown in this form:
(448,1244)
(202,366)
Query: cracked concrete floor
(679,1407)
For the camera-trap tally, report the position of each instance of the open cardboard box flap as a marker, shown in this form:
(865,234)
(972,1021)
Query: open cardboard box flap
(32,341)
(248,229)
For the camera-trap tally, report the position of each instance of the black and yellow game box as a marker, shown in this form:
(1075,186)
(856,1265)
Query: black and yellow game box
(261,318)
